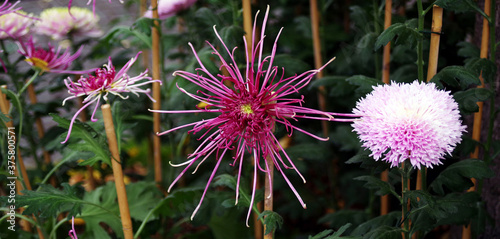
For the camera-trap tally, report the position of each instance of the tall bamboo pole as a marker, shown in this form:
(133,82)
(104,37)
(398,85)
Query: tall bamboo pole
(386,71)
(117,172)
(318,62)
(476,127)
(156,94)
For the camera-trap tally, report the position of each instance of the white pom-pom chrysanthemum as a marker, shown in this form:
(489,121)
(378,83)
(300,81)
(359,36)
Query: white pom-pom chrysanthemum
(409,121)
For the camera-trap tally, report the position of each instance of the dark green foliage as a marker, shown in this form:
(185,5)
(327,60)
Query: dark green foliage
(48,201)
(407,34)
(327,234)
(90,140)
(456,177)
(272,221)
(456,76)
(468,99)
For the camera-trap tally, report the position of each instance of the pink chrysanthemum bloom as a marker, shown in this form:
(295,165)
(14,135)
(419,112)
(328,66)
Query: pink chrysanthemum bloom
(7,7)
(15,25)
(50,60)
(106,81)
(72,232)
(58,23)
(409,121)
(247,112)
(168,8)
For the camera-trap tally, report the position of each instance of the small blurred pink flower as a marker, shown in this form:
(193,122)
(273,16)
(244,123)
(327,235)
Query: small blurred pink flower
(409,121)
(72,232)
(106,81)
(15,25)
(168,8)
(58,23)
(50,60)
(247,112)
(7,7)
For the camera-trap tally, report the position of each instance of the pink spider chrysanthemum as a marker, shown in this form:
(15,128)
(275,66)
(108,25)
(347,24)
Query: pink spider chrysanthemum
(49,60)
(409,121)
(247,112)
(7,7)
(106,81)
(58,23)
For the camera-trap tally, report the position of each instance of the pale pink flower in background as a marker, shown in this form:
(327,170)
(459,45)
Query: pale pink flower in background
(247,112)
(409,121)
(58,23)
(70,8)
(49,60)
(106,81)
(168,8)
(7,7)
(15,25)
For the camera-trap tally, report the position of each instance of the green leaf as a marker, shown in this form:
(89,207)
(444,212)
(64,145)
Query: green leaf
(381,187)
(467,50)
(4,117)
(231,35)
(90,140)
(467,100)
(180,202)
(484,67)
(48,202)
(460,6)
(407,34)
(313,151)
(244,197)
(347,139)
(378,225)
(142,197)
(106,213)
(291,64)
(272,221)
(456,177)
(336,235)
(456,76)
(365,84)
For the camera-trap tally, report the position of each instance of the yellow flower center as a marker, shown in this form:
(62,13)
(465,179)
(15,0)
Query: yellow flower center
(39,63)
(246,109)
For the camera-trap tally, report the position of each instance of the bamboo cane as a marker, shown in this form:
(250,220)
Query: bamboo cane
(476,127)
(386,59)
(117,172)
(156,94)
(318,62)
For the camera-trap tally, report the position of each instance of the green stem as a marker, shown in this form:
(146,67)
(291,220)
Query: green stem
(420,44)
(54,229)
(37,71)
(49,174)
(423,174)
(405,168)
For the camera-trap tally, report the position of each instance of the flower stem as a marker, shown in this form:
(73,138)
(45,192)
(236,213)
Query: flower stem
(117,172)
(37,72)
(405,168)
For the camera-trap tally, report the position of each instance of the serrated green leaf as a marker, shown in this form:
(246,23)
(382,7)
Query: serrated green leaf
(456,177)
(407,34)
(272,221)
(48,202)
(336,235)
(105,197)
(456,76)
(459,6)
(365,84)
(180,202)
(142,197)
(467,100)
(386,222)
(484,67)
(381,187)
(4,117)
(91,140)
